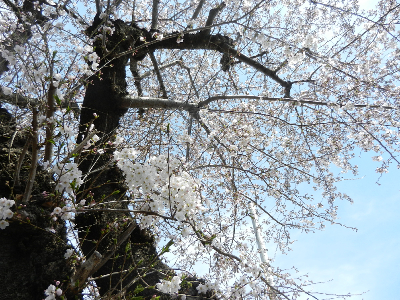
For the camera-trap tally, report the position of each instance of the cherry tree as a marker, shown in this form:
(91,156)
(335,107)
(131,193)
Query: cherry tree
(130,129)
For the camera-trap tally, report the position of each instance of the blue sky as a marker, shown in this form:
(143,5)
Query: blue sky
(364,261)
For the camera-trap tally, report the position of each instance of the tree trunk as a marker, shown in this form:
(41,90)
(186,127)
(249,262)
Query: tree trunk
(32,257)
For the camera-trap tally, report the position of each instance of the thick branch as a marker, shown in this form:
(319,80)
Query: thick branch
(287,85)
(99,7)
(211,16)
(198,9)
(121,239)
(148,102)
(154,15)
(201,41)
(48,150)
(84,271)
(26,102)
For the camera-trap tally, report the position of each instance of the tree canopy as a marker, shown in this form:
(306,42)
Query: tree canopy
(135,128)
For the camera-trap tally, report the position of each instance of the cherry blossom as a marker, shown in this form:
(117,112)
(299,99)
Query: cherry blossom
(225,118)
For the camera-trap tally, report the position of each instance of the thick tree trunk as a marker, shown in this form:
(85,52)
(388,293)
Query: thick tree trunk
(31,257)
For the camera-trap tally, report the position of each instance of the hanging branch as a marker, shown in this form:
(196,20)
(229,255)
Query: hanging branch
(261,245)
(148,73)
(191,117)
(134,70)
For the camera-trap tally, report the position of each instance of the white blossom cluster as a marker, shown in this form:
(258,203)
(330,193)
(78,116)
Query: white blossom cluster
(68,175)
(5,211)
(65,213)
(91,57)
(170,287)
(52,291)
(68,253)
(164,183)
(202,288)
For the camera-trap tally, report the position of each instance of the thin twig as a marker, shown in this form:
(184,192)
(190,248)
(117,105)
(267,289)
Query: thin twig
(32,171)
(20,160)
(159,77)
(121,239)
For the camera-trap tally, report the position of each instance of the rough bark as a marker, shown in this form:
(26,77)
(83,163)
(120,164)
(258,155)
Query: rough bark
(31,258)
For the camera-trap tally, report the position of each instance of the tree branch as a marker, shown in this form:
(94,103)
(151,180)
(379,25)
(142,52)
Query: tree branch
(148,73)
(98,7)
(121,239)
(292,100)
(117,3)
(159,77)
(20,161)
(136,76)
(78,280)
(149,102)
(198,9)
(360,16)
(48,150)
(154,15)
(26,102)
(211,16)
(202,41)
(32,171)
